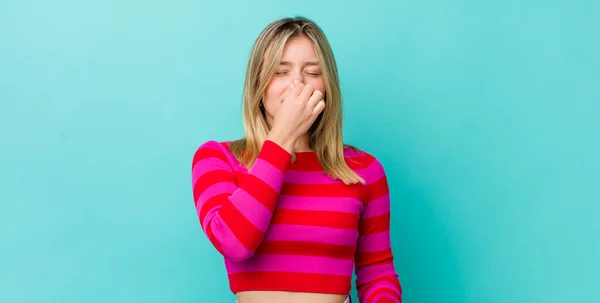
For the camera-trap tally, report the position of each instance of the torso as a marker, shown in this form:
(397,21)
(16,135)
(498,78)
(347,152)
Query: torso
(313,233)
(287,297)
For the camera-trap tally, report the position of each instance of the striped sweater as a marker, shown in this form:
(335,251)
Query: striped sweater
(289,227)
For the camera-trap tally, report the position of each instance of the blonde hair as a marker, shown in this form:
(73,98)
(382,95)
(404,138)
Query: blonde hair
(326,131)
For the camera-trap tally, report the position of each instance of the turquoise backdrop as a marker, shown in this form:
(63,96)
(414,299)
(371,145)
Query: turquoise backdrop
(485,115)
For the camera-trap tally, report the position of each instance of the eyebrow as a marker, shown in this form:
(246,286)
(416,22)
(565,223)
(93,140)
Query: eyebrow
(310,63)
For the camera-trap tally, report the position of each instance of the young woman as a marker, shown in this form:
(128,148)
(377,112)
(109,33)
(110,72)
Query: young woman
(292,209)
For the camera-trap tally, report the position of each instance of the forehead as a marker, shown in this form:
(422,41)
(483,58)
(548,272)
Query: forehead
(299,49)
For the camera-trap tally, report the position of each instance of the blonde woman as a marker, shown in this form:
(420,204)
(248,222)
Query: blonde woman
(292,209)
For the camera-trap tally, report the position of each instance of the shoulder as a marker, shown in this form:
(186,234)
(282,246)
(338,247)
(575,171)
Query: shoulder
(359,157)
(212,149)
(366,164)
(214,145)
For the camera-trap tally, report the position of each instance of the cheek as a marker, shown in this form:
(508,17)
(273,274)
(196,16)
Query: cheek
(318,84)
(271,98)
(274,90)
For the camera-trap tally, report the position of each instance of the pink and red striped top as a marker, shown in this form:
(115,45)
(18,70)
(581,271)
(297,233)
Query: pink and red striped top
(289,227)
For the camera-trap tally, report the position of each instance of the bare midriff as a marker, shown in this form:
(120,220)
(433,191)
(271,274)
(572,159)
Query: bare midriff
(288,297)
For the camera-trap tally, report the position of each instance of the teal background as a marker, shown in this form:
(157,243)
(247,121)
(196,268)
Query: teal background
(484,114)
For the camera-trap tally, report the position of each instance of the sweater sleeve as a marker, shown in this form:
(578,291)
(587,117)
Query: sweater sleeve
(376,277)
(235,212)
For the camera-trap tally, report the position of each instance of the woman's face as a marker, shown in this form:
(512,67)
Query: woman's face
(299,61)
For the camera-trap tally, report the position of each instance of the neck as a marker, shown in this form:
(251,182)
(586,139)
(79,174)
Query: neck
(303,144)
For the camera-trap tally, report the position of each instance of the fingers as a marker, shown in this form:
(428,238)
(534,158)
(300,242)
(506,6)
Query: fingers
(319,107)
(303,91)
(293,90)
(306,92)
(316,96)
(286,93)
(297,88)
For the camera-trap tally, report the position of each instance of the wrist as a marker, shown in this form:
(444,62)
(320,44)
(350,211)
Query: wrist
(282,140)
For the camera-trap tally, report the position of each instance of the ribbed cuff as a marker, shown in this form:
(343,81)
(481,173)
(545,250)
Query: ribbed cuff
(275,154)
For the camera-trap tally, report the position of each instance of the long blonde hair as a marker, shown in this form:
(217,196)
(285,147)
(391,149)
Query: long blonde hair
(326,131)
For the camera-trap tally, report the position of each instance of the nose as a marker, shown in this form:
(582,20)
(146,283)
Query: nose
(297,76)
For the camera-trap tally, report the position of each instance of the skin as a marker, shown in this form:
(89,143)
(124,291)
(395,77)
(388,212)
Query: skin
(299,66)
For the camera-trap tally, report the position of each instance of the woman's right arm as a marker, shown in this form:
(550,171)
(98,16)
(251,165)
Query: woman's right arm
(235,214)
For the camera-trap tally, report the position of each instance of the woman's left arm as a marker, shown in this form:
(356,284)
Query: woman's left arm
(376,277)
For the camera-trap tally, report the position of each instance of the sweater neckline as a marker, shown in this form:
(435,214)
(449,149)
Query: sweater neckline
(308,161)
(305,155)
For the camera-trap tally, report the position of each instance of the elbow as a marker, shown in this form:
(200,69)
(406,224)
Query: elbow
(228,243)
(238,255)
(232,250)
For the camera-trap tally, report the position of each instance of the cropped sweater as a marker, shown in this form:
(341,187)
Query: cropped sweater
(286,226)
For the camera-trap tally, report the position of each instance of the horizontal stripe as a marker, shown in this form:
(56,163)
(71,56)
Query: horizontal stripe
(306,163)
(240,172)
(392,288)
(316,218)
(297,282)
(209,179)
(309,177)
(374,171)
(208,208)
(208,165)
(370,273)
(317,234)
(378,188)
(260,190)
(210,149)
(214,190)
(290,263)
(228,244)
(258,214)
(275,154)
(374,225)
(306,249)
(359,163)
(225,144)
(309,162)
(366,258)
(390,283)
(214,240)
(393,279)
(374,242)
(246,232)
(341,204)
(210,205)
(350,152)
(324,190)
(268,173)
(377,207)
